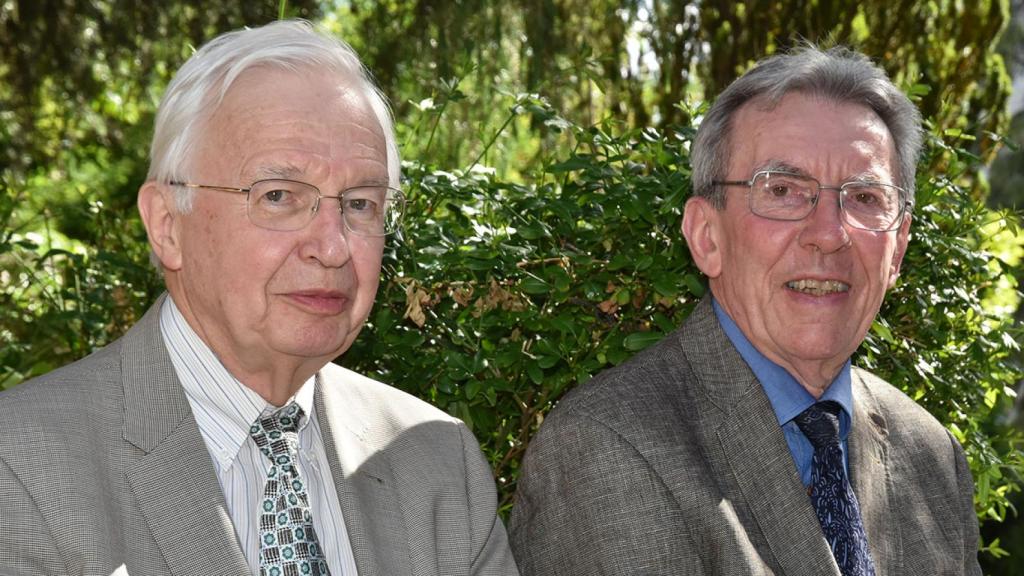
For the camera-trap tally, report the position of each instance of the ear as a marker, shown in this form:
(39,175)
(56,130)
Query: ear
(700,227)
(160,216)
(902,238)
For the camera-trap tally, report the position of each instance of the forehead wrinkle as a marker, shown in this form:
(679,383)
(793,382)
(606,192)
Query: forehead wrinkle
(296,131)
(359,149)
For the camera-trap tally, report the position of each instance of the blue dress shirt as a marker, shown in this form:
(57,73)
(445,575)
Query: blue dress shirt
(789,398)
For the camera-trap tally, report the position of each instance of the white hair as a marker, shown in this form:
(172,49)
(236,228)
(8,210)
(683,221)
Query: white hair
(203,81)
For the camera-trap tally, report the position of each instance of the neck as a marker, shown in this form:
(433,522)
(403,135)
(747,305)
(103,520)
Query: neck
(275,390)
(814,381)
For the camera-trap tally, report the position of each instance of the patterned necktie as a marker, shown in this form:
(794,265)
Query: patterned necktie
(831,493)
(288,543)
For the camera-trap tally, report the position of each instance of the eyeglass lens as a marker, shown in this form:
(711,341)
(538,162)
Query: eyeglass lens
(289,205)
(782,196)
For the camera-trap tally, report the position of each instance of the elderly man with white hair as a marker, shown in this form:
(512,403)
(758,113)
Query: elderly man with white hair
(216,437)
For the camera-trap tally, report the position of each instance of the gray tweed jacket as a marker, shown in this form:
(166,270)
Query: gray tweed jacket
(102,468)
(674,463)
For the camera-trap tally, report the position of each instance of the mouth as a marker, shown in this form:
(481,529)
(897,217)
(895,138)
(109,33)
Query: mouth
(320,301)
(818,287)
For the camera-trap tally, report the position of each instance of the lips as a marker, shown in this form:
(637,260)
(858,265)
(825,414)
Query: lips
(818,287)
(320,301)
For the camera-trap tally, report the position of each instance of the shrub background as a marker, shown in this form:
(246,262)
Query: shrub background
(548,165)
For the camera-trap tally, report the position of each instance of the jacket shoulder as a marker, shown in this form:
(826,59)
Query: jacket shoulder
(384,416)
(650,380)
(363,393)
(92,384)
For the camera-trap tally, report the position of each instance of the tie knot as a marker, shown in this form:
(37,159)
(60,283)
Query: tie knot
(275,432)
(820,423)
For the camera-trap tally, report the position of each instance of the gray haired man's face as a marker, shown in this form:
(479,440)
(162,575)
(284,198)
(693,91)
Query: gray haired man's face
(804,292)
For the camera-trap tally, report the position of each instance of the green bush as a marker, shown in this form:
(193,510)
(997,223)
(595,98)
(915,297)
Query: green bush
(501,296)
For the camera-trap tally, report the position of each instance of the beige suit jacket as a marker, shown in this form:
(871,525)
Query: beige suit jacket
(102,468)
(674,463)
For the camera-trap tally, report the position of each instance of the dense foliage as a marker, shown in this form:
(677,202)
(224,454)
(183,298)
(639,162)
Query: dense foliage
(502,296)
(635,60)
(542,243)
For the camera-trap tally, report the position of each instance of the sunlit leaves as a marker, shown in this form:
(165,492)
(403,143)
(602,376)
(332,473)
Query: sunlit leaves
(524,290)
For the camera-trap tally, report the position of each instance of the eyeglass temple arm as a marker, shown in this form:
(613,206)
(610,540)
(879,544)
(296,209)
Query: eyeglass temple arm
(206,186)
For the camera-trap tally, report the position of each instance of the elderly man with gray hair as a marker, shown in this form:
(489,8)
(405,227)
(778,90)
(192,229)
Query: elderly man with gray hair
(216,437)
(745,442)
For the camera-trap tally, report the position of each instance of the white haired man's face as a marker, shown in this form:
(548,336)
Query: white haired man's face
(257,296)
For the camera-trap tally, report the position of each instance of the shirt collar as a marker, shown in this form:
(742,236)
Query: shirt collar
(224,407)
(787,396)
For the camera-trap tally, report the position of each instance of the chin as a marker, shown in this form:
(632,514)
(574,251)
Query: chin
(316,344)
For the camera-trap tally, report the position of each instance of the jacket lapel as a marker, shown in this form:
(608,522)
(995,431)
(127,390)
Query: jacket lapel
(759,460)
(363,477)
(747,447)
(869,473)
(174,482)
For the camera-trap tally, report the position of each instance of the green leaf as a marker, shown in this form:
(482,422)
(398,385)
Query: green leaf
(535,373)
(546,362)
(639,340)
(472,389)
(532,285)
(666,286)
(694,285)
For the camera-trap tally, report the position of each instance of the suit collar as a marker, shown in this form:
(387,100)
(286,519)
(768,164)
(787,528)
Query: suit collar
(363,476)
(748,448)
(173,480)
(723,378)
(154,402)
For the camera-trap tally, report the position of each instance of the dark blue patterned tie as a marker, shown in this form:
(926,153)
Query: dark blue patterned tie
(288,542)
(831,493)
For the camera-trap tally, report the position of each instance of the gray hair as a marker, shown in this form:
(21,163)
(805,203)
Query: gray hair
(203,81)
(837,74)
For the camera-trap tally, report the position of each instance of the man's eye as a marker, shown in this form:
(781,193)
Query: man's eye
(780,190)
(360,205)
(277,196)
(866,198)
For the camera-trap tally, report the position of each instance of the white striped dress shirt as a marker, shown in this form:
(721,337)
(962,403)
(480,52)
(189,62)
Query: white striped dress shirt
(225,408)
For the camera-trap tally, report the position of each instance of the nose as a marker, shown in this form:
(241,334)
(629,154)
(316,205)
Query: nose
(326,239)
(824,229)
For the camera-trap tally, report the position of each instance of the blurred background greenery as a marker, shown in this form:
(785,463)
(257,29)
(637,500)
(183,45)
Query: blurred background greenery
(546,146)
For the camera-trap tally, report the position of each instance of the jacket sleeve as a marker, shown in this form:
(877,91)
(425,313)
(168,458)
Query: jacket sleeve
(489,539)
(970,519)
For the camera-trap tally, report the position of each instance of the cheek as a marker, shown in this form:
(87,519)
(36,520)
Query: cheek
(367,264)
(877,260)
(761,253)
(249,264)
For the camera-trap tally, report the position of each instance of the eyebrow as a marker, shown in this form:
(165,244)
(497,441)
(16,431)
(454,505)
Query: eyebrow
(287,172)
(292,172)
(375,181)
(782,166)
